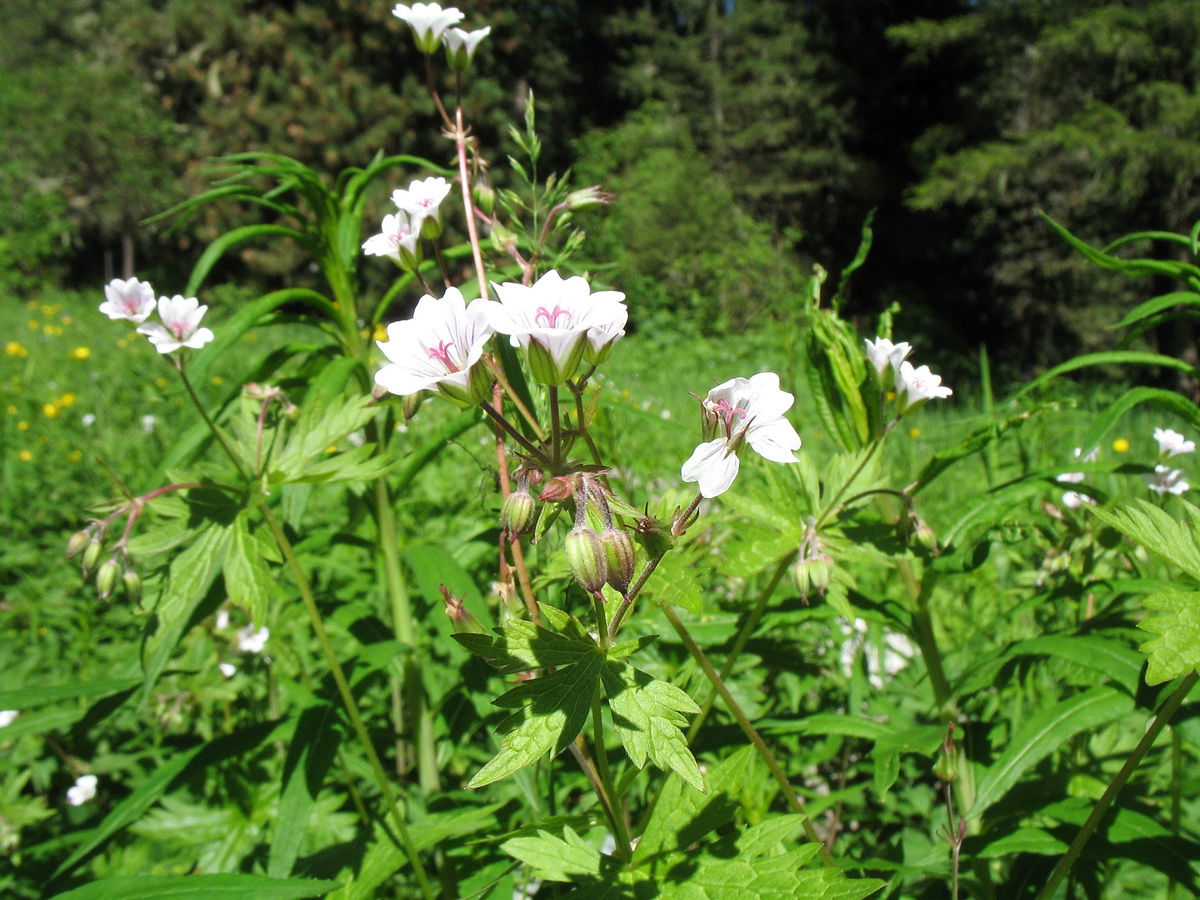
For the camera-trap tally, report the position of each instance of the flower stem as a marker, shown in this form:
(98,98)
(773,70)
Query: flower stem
(212,426)
(748,729)
(356,720)
(616,818)
(1161,718)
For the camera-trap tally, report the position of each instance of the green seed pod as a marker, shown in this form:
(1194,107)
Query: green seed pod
(132,583)
(91,555)
(484,197)
(620,556)
(587,558)
(78,543)
(812,575)
(517,512)
(945,767)
(106,578)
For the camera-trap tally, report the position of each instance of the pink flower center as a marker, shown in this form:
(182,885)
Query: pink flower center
(727,413)
(549,317)
(442,354)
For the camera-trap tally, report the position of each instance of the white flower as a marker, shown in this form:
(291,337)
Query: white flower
(1171,443)
(558,322)
(83,791)
(1166,480)
(131,300)
(221,622)
(227,669)
(741,411)
(180,325)
(439,348)
(915,386)
(7,716)
(461,46)
(422,203)
(148,422)
(398,240)
(883,353)
(251,641)
(88,419)
(896,653)
(428,22)
(1074,499)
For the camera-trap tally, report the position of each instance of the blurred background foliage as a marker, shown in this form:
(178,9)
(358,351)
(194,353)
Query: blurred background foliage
(745,139)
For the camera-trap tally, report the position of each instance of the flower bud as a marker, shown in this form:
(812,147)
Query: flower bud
(91,555)
(78,543)
(106,578)
(461,618)
(812,574)
(484,196)
(517,512)
(587,198)
(620,556)
(558,488)
(132,583)
(587,558)
(945,766)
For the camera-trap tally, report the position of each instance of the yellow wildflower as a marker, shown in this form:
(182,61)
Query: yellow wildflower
(380,332)
(22,425)
(914,432)
(75,456)
(160,382)
(81,353)
(51,410)
(15,348)
(1121,445)
(67,399)
(10,409)
(25,456)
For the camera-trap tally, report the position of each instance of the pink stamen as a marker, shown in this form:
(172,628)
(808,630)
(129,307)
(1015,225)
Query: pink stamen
(549,317)
(442,354)
(727,413)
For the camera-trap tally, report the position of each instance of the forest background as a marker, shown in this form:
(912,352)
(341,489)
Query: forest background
(745,140)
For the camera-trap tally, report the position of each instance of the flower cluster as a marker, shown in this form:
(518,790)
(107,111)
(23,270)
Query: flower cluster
(913,385)
(133,301)
(431,24)
(1075,499)
(417,214)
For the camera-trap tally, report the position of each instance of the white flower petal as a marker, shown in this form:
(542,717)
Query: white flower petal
(713,466)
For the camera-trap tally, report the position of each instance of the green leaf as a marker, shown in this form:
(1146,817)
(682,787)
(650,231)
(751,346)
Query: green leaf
(674,581)
(247,575)
(231,239)
(1044,733)
(648,718)
(1112,659)
(752,868)
(553,711)
(1176,650)
(310,755)
(1024,840)
(684,815)
(1159,304)
(553,858)
(830,724)
(29,697)
(524,646)
(356,464)
(323,422)
(1106,358)
(192,574)
(1159,532)
(200,887)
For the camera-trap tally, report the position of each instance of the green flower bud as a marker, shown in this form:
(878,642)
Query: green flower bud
(78,543)
(812,574)
(620,556)
(587,558)
(517,512)
(132,583)
(484,196)
(945,767)
(106,578)
(91,555)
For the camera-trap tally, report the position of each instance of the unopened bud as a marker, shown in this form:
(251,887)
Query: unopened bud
(588,198)
(945,766)
(78,543)
(106,578)
(91,555)
(503,240)
(461,618)
(587,558)
(517,512)
(410,403)
(484,196)
(132,583)
(558,488)
(620,556)
(925,537)
(812,574)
